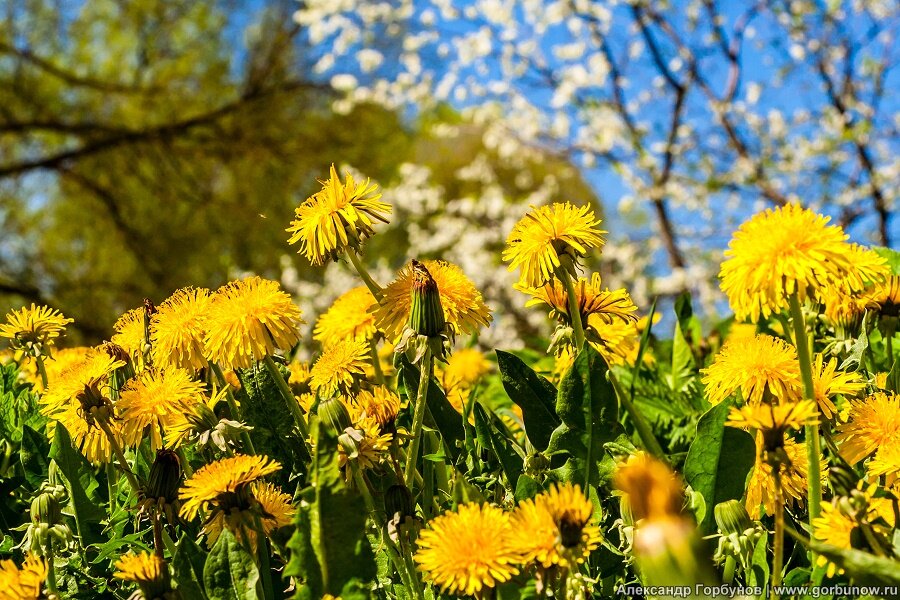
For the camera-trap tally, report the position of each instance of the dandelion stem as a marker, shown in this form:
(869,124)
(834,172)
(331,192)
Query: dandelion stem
(233,407)
(262,551)
(645,432)
(418,417)
(112,480)
(364,274)
(376,363)
(814,487)
(39,360)
(51,567)
(288,396)
(123,464)
(778,548)
(574,311)
(158,544)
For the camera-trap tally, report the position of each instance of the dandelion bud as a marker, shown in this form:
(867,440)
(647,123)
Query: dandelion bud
(398,500)
(732,517)
(45,509)
(427,315)
(334,415)
(165,477)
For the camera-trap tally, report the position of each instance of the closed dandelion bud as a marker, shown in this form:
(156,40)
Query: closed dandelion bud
(165,477)
(398,500)
(45,509)
(426,316)
(732,517)
(334,415)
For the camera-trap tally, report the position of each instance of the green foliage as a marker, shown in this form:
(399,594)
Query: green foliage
(229,572)
(535,396)
(84,499)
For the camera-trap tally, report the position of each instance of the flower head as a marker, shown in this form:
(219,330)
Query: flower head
(339,216)
(774,417)
(549,236)
(144,567)
(653,490)
(249,320)
(224,484)
(616,341)
(129,333)
(464,368)
(34,329)
(464,308)
(790,250)
(794,475)
(592,299)
(555,528)
(872,423)
(364,443)
(177,330)
(349,317)
(339,367)
(380,404)
(756,366)
(885,297)
(24,583)
(465,551)
(272,506)
(154,401)
(829,382)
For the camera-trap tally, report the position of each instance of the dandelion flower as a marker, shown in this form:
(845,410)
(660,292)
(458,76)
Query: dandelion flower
(774,417)
(555,528)
(339,367)
(272,506)
(464,368)
(593,300)
(543,237)
(24,583)
(381,404)
(465,551)
(653,491)
(76,398)
(464,307)
(790,250)
(755,366)
(829,382)
(872,423)
(129,333)
(154,401)
(144,567)
(224,484)
(349,317)
(885,462)
(33,329)
(844,309)
(249,320)
(885,296)
(834,528)
(339,216)
(364,443)
(178,330)
(56,365)
(794,475)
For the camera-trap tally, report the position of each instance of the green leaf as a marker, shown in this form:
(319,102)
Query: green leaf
(587,405)
(34,455)
(187,565)
(445,418)
(534,395)
(527,487)
(892,257)
(510,462)
(718,461)
(758,575)
(83,497)
(329,548)
(229,572)
(893,378)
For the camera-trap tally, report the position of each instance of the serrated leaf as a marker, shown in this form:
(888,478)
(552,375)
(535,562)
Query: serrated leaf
(510,462)
(187,565)
(83,498)
(533,394)
(718,461)
(34,455)
(230,572)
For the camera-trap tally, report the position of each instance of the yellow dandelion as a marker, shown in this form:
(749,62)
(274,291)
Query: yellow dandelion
(562,362)
(77,397)
(350,316)
(828,382)
(62,359)
(144,567)
(339,367)
(547,234)
(248,320)
(834,528)
(593,301)
(381,404)
(34,329)
(272,506)
(468,550)
(774,417)
(129,333)
(22,583)
(794,475)
(845,309)
(223,482)
(464,307)
(872,423)
(464,368)
(197,417)
(177,330)
(339,216)
(555,528)
(885,462)
(653,491)
(367,446)
(154,401)
(788,250)
(300,376)
(885,296)
(756,366)
(741,332)
(617,342)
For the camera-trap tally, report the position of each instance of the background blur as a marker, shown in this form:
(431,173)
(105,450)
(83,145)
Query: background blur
(146,145)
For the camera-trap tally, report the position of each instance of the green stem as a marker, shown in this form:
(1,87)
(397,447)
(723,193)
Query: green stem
(376,363)
(728,571)
(112,481)
(39,360)
(778,547)
(418,418)
(233,407)
(262,552)
(51,567)
(645,431)
(117,449)
(364,274)
(158,545)
(185,464)
(574,311)
(288,396)
(889,346)
(814,479)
